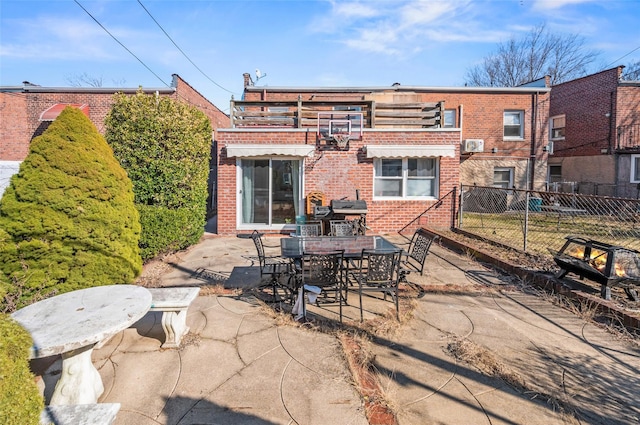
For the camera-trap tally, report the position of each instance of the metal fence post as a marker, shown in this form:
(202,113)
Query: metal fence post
(527,206)
(454,201)
(461,208)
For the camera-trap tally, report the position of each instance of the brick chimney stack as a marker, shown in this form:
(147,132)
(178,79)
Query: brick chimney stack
(248,82)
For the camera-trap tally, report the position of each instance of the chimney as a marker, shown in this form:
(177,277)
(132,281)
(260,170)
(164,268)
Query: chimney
(248,82)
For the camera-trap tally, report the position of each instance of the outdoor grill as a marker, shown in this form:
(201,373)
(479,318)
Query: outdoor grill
(608,265)
(346,207)
(342,209)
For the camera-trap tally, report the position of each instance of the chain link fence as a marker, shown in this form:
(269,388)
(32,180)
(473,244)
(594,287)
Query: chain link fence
(584,188)
(535,221)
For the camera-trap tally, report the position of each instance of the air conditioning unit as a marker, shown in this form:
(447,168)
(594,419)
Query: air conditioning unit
(473,145)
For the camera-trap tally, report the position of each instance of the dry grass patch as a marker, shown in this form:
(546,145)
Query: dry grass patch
(378,408)
(217,290)
(483,360)
(188,339)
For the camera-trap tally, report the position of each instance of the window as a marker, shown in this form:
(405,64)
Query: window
(635,168)
(270,191)
(503,177)
(556,132)
(405,177)
(449,118)
(555,173)
(513,124)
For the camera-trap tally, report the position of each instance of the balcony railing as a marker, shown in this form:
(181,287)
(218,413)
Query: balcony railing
(304,114)
(629,137)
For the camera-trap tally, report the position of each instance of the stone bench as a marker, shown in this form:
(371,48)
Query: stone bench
(173,303)
(80,414)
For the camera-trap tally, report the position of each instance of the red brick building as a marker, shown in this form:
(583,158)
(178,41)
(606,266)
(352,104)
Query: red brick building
(595,131)
(410,147)
(27,110)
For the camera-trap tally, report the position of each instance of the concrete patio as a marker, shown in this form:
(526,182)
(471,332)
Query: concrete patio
(531,362)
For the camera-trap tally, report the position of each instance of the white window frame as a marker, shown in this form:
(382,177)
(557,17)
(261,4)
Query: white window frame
(635,169)
(511,171)
(451,122)
(405,177)
(240,225)
(549,175)
(552,126)
(510,112)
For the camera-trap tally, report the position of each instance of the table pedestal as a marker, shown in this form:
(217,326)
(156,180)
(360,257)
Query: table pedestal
(80,381)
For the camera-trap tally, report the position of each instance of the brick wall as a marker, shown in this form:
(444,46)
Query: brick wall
(586,102)
(479,114)
(20,112)
(339,173)
(13,132)
(186,93)
(628,106)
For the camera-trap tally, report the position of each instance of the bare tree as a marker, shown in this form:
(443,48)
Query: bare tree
(537,54)
(632,71)
(84,80)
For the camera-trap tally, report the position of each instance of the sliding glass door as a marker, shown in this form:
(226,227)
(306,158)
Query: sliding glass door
(270,191)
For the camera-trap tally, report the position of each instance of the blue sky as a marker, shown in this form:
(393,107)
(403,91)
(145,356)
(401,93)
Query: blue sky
(295,43)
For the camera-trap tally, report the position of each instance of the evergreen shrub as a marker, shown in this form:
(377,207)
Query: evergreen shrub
(20,399)
(165,146)
(68,217)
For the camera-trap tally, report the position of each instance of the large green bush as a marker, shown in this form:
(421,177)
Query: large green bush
(165,146)
(20,399)
(68,216)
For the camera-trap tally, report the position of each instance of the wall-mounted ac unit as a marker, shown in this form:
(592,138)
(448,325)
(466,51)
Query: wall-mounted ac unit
(473,145)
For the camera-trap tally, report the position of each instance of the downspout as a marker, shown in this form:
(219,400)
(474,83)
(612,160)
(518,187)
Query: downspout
(532,160)
(611,97)
(612,150)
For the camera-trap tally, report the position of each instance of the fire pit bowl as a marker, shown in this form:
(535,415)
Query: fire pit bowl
(609,265)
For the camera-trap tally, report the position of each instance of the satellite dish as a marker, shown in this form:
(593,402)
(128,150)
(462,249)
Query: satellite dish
(259,74)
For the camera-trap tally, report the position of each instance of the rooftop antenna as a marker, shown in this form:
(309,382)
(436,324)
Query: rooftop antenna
(259,75)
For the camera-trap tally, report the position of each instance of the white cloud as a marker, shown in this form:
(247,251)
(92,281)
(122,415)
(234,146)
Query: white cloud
(378,40)
(405,27)
(550,5)
(352,10)
(424,12)
(57,38)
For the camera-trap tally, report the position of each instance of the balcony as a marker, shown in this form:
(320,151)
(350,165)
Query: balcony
(311,113)
(629,138)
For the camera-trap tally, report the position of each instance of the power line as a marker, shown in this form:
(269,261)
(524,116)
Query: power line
(620,58)
(178,47)
(123,46)
(139,60)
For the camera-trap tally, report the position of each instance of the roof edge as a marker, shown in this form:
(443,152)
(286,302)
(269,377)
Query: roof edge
(398,88)
(103,90)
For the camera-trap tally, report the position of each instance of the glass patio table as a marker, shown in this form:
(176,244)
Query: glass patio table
(295,247)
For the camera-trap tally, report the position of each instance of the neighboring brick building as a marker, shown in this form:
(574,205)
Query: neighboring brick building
(410,148)
(595,131)
(22,113)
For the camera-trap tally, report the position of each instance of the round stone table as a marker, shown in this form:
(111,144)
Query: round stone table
(71,324)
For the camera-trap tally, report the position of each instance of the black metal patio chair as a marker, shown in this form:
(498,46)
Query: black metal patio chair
(323,271)
(415,257)
(341,228)
(275,267)
(379,271)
